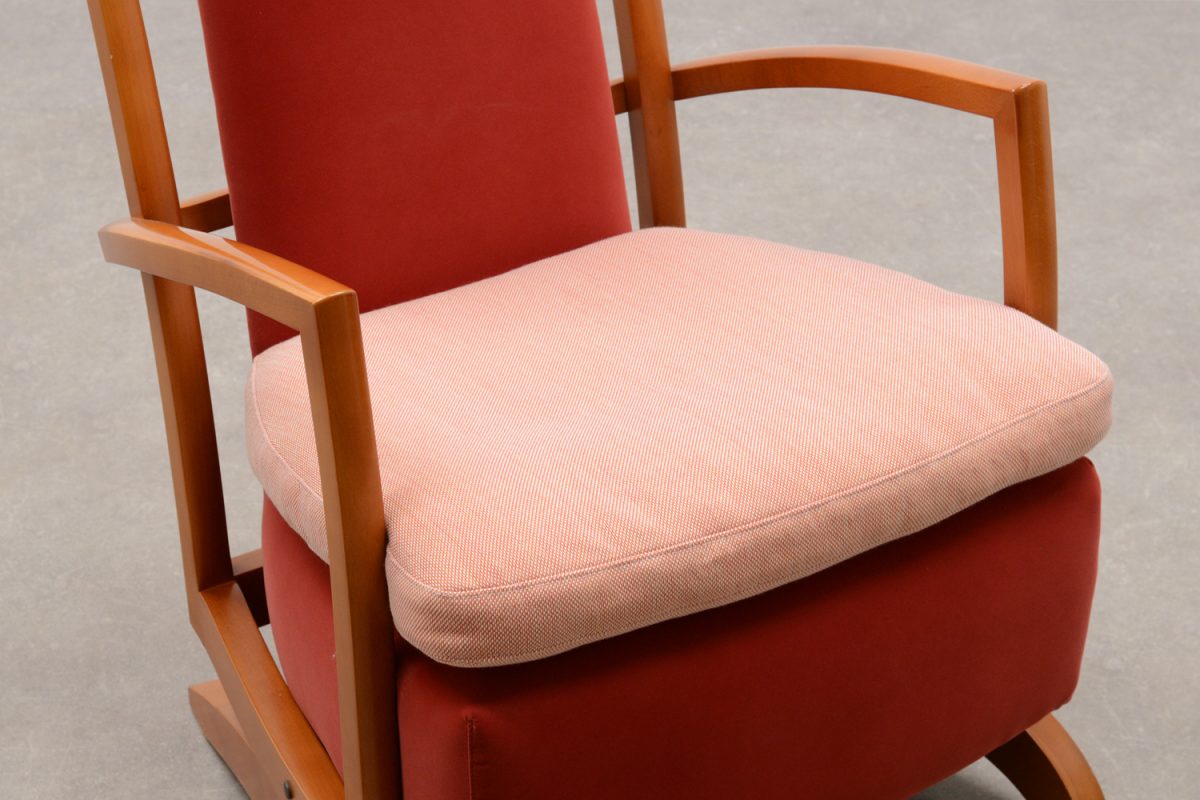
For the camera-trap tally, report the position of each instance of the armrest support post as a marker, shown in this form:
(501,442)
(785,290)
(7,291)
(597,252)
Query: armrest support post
(174,261)
(350,484)
(1025,174)
(650,102)
(191,434)
(1016,103)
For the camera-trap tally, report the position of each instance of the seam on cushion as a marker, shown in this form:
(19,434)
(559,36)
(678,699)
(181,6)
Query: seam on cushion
(267,437)
(666,614)
(675,613)
(933,459)
(470,757)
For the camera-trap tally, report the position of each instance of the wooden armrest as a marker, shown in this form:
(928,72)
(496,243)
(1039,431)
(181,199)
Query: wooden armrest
(903,73)
(325,312)
(1017,105)
(272,286)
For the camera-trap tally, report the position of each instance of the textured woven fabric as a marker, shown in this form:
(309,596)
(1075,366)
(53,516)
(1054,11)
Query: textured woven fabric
(667,421)
(871,679)
(404,148)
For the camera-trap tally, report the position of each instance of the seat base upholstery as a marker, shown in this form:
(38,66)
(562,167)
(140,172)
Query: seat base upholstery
(874,678)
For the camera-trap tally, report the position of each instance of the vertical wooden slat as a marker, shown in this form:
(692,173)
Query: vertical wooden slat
(350,484)
(191,437)
(145,157)
(650,101)
(134,106)
(1027,220)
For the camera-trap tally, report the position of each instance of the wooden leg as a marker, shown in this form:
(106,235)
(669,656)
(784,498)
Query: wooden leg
(1044,763)
(212,710)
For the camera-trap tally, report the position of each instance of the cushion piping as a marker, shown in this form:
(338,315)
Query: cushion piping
(781,515)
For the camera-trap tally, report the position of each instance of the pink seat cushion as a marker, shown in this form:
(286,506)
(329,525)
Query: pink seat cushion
(667,421)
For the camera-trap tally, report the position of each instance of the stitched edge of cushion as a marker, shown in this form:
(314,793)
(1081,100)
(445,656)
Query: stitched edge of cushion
(258,439)
(456,650)
(1104,380)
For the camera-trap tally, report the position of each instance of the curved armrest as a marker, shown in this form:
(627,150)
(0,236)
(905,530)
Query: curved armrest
(931,79)
(256,279)
(325,312)
(1017,104)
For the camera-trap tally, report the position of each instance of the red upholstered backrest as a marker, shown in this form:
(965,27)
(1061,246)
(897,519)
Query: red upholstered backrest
(407,147)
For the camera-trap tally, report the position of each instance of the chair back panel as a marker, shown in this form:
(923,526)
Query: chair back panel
(406,147)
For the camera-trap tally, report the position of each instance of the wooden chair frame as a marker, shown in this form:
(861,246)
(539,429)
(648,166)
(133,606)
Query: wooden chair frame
(248,714)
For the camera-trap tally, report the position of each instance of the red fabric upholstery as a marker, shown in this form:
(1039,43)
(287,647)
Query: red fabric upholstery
(404,148)
(297,587)
(874,678)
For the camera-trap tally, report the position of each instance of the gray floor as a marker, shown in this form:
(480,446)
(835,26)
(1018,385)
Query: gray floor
(95,645)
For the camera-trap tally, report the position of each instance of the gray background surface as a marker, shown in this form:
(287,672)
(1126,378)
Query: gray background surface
(95,650)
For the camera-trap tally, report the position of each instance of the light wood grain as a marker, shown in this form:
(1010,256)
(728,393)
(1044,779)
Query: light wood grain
(1044,763)
(919,76)
(214,714)
(207,212)
(650,102)
(1016,103)
(274,727)
(248,573)
(326,315)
